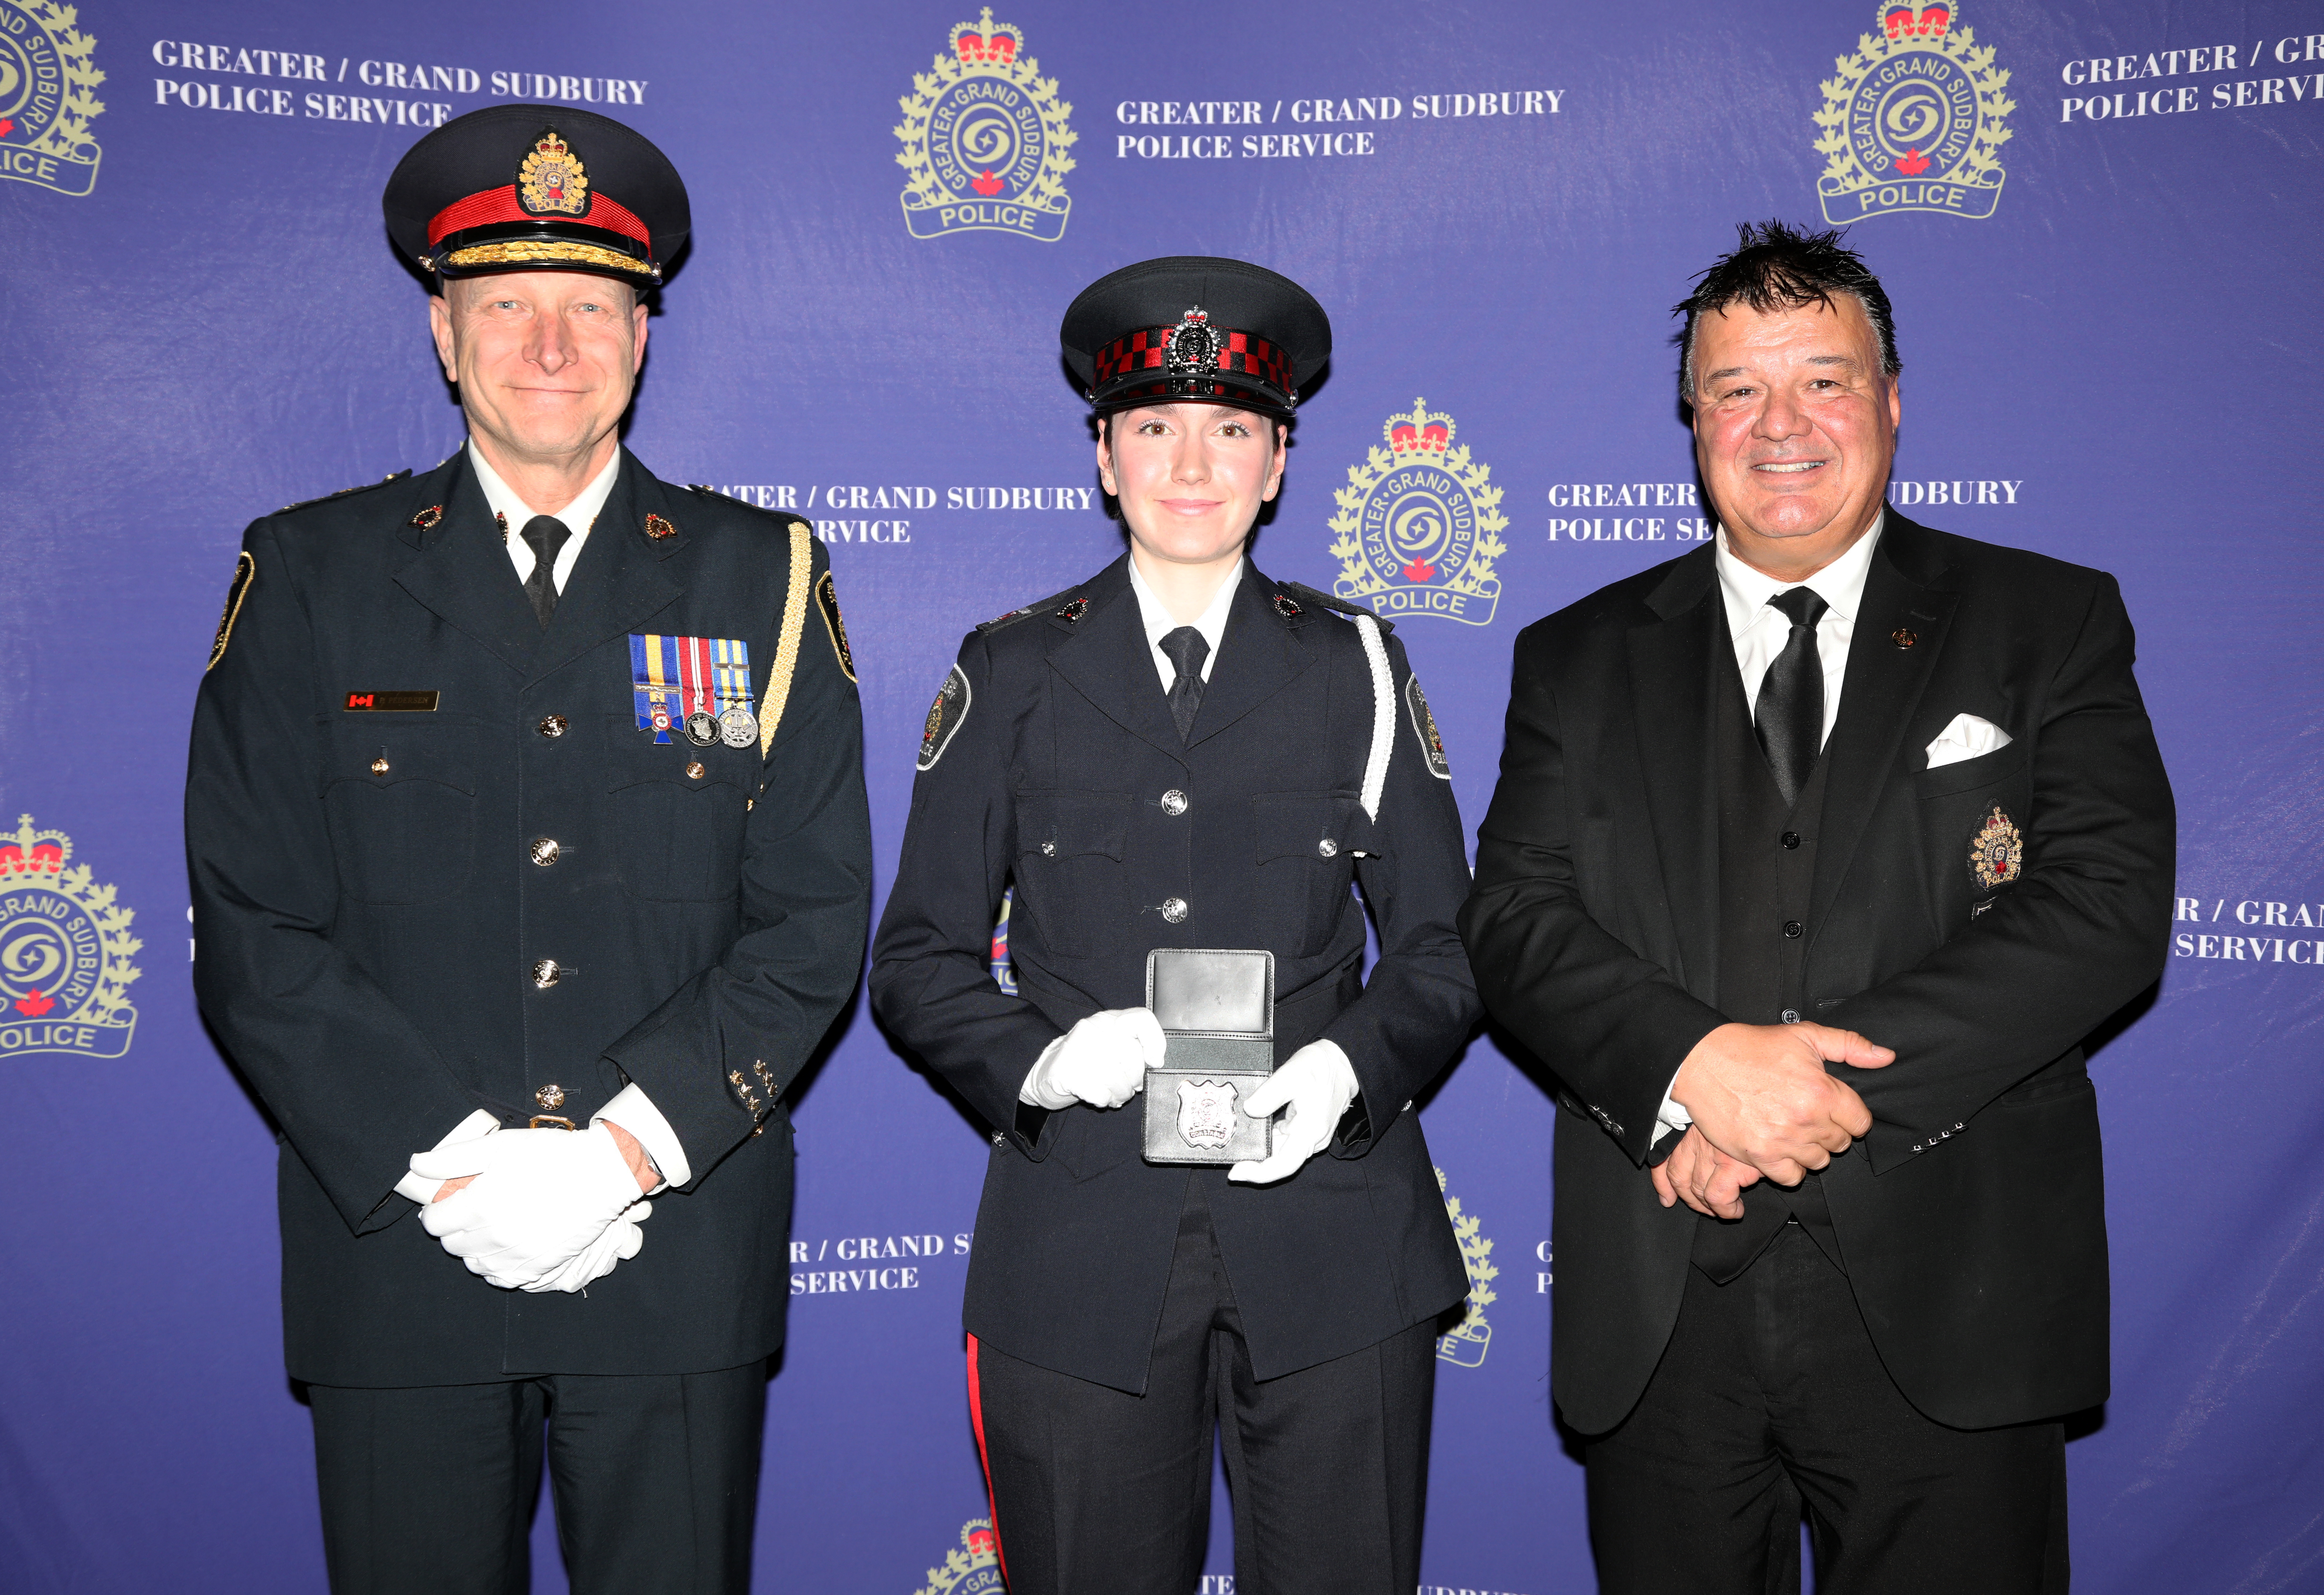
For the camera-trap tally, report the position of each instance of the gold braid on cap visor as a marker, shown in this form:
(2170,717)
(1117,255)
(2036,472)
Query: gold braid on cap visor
(522,250)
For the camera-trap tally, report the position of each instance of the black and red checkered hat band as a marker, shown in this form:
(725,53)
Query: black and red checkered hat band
(1123,367)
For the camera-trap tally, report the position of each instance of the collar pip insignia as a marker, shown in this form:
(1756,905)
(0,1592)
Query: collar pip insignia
(656,528)
(552,181)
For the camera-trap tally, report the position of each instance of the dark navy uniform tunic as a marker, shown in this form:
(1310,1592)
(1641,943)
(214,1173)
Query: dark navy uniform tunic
(1052,763)
(370,908)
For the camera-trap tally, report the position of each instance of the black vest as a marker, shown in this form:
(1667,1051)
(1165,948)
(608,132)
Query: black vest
(1766,863)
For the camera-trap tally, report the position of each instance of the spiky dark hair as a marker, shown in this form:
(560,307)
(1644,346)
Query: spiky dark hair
(1775,267)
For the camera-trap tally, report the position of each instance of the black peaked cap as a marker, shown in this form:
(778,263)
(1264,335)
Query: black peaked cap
(1195,326)
(536,189)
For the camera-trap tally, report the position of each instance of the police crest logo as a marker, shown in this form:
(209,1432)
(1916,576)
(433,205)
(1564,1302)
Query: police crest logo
(46,74)
(1997,853)
(1464,1346)
(1914,121)
(973,1569)
(1417,524)
(552,180)
(65,951)
(984,139)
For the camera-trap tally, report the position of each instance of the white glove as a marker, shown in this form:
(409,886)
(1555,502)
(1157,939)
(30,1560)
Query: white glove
(618,1242)
(1318,1083)
(539,1199)
(1101,1061)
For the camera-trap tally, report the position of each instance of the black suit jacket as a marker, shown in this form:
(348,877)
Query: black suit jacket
(365,939)
(1971,1219)
(1054,782)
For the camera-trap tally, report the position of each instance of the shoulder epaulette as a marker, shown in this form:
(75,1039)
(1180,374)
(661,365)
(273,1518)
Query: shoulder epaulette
(345,492)
(1055,601)
(1304,596)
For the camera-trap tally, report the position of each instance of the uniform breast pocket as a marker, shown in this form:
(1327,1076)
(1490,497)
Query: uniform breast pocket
(675,812)
(1069,872)
(400,800)
(1306,847)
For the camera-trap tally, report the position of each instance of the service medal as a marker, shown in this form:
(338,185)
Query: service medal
(701,729)
(738,727)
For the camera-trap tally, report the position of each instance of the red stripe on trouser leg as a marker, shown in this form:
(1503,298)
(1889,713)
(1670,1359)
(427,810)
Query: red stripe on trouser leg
(976,1421)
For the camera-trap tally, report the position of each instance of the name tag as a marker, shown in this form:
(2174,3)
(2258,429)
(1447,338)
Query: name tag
(392,702)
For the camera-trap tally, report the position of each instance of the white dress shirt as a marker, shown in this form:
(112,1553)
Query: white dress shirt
(578,516)
(1159,623)
(1760,630)
(630,1108)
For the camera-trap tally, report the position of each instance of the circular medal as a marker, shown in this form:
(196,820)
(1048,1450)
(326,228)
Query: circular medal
(701,730)
(738,727)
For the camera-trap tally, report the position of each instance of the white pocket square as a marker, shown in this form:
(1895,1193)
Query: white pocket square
(1967,737)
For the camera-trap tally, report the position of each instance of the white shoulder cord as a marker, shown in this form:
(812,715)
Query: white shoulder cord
(1383,716)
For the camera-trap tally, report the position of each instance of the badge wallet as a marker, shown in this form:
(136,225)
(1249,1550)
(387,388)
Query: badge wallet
(1217,1009)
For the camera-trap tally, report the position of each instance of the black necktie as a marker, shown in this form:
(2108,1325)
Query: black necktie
(1187,650)
(1789,714)
(546,534)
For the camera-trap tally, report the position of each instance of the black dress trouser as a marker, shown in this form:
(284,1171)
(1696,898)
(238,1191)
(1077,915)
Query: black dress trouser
(1772,1395)
(1099,1492)
(430,1490)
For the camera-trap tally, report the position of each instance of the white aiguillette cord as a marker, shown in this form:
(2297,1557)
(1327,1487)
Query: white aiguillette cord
(1383,716)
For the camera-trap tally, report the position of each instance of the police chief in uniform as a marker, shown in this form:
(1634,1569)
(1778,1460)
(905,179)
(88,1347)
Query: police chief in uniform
(531,861)
(1181,753)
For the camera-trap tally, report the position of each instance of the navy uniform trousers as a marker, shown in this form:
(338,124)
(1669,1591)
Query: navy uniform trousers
(440,865)
(1119,1310)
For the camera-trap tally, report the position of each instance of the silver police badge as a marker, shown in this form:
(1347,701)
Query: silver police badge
(1206,1113)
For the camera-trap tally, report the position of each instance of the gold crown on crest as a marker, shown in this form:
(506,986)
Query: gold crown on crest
(1901,22)
(1419,433)
(28,851)
(987,42)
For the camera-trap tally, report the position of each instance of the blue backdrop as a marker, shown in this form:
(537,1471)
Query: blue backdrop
(2098,223)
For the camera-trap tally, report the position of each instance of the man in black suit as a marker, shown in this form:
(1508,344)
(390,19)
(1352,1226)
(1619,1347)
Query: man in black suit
(1180,753)
(531,861)
(1816,854)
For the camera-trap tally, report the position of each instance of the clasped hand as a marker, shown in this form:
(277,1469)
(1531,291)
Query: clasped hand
(1101,1061)
(537,1210)
(1763,1106)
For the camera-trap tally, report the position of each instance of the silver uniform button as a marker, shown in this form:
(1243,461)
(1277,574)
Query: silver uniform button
(551,1096)
(545,851)
(1173,909)
(1328,848)
(1791,1016)
(1048,850)
(546,973)
(1174,803)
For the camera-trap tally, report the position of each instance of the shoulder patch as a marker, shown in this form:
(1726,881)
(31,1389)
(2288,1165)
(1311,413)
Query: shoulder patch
(246,571)
(1423,728)
(946,717)
(345,492)
(826,600)
(1039,606)
(1306,597)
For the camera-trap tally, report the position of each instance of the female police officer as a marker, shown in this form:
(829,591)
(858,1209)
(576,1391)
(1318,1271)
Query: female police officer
(1180,753)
